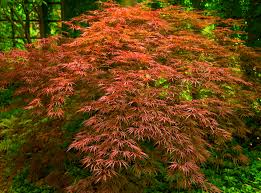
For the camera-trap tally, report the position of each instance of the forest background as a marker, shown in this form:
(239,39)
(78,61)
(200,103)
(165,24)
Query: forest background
(22,22)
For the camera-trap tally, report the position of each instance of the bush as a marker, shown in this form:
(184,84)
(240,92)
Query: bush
(155,103)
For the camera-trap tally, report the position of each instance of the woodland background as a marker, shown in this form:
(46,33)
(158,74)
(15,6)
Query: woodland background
(43,89)
(24,21)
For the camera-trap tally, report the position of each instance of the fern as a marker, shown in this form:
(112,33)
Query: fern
(6,145)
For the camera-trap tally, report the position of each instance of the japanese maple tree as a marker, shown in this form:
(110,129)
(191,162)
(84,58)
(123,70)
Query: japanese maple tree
(160,94)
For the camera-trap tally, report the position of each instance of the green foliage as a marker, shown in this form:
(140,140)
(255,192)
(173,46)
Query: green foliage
(6,96)
(8,114)
(256,106)
(3,3)
(187,3)
(248,10)
(5,43)
(22,185)
(230,91)
(162,82)
(14,130)
(204,93)
(15,32)
(76,7)
(11,140)
(230,179)
(157,4)
(238,179)
(71,127)
(186,93)
(208,31)
(75,170)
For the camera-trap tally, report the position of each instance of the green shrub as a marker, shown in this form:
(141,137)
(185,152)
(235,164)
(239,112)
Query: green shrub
(230,179)
(22,185)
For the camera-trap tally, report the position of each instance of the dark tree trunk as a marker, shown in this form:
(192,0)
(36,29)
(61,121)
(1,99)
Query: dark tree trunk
(254,23)
(197,4)
(13,27)
(72,8)
(27,22)
(43,21)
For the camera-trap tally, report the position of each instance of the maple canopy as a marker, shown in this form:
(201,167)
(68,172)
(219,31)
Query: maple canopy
(160,89)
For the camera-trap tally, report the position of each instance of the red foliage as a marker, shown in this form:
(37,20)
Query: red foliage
(132,70)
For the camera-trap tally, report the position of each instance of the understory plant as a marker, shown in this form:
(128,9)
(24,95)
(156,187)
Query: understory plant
(159,96)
